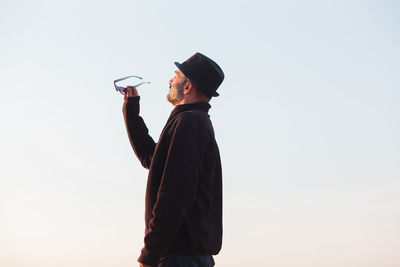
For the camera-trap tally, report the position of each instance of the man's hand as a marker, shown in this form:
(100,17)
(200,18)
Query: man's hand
(130,91)
(144,265)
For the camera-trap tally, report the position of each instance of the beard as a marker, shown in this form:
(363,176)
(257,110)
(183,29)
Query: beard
(175,95)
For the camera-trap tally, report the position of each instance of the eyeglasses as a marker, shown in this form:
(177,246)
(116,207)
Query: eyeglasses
(121,89)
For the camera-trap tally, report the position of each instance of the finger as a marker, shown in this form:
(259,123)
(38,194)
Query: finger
(128,91)
(131,91)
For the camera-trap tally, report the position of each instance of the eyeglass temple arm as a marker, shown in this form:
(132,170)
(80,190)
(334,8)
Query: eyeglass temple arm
(124,78)
(139,84)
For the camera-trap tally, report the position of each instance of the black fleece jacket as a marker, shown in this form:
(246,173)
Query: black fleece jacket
(184,188)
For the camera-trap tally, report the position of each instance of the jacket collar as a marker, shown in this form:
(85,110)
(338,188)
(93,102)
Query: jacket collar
(200,106)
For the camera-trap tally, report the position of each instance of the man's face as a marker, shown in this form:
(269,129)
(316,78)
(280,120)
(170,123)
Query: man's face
(176,85)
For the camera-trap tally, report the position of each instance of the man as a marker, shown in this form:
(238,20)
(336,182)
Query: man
(183,211)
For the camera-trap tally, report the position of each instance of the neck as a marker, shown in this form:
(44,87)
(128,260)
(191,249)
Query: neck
(188,99)
(183,101)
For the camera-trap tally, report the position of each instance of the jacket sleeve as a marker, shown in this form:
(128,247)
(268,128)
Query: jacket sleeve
(177,190)
(141,142)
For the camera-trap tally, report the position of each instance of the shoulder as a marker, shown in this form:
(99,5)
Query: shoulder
(191,122)
(192,118)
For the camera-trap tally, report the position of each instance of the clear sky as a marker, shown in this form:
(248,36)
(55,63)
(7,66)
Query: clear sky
(307,123)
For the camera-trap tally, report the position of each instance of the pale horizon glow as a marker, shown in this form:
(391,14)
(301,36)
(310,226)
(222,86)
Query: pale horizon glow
(307,123)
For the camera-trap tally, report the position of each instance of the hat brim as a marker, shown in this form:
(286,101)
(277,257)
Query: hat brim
(179,66)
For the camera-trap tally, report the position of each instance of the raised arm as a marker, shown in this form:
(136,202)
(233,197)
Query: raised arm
(142,143)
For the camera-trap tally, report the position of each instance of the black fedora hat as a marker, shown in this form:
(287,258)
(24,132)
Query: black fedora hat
(203,72)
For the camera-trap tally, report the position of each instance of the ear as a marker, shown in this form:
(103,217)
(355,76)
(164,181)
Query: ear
(188,88)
